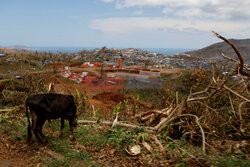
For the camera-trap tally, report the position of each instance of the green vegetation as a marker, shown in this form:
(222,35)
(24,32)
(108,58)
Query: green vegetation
(14,129)
(89,138)
(228,160)
(98,144)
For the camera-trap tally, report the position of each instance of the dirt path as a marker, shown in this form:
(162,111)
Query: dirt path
(10,156)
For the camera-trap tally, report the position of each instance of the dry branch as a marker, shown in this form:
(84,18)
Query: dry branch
(241,60)
(201,92)
(165,122)
(166,119)
(208,107)
(240,114)
(147,117)
(152,114)
(228,58)
(231,103)
(54,154)
(149,129)
(143,114)
(146,105)
(157,142)
(218,89)
(147,146)
(197,98)
(234,60)
(93,110)
(6,110)
(201,129)
(177,111)
(237,94)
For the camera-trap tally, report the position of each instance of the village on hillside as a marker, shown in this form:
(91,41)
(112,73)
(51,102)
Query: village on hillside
(134,107)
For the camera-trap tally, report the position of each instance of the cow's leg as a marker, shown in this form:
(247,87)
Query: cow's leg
(62,127)
(71,130)
(40,127)
(29,130)
(35,128)
(29,135)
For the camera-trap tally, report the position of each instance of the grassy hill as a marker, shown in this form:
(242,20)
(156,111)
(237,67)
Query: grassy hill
(215,50)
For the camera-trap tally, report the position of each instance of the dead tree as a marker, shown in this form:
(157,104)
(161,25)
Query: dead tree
(240,66)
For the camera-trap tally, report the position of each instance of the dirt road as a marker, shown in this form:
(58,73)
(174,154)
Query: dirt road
(11,156)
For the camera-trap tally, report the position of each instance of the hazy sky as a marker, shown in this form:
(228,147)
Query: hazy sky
(122,23)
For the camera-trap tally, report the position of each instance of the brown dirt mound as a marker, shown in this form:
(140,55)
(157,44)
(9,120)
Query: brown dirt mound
(107,101)
(116,97)
(100,104)
(106,97)
(104,109)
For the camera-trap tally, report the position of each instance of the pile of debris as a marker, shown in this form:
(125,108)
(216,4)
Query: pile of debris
(201,115)
(75,77)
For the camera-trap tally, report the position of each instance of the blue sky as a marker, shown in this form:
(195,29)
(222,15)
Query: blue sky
(122,23)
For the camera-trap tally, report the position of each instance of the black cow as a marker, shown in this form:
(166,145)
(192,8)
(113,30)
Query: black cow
(50,106)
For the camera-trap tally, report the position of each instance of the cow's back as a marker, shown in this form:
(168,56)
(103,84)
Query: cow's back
(52,106)
(63,105)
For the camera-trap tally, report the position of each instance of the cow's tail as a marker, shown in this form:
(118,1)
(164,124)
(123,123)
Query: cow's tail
(29,127)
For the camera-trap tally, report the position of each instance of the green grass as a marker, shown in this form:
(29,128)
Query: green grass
(93,137)
(15,129)
(120,137)
(88,136)
(16,132)
(228,160)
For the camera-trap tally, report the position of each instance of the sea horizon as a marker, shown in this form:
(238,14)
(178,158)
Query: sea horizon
(167,51)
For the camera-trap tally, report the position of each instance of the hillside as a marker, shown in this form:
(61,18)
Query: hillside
(18,47)
(215,50)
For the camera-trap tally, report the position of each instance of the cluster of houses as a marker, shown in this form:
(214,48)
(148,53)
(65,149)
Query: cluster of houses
(136,57)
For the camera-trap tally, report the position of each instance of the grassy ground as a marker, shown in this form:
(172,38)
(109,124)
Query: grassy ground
(102,146)
(19,67)
(98,145)
(89,140)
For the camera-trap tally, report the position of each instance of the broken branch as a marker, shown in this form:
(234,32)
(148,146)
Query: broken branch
(149,129)
(201,129)
(241,60)
(240,114)
(177,111)
(231,103)
(7,110)
(228,58)
(157,142)
(237,94)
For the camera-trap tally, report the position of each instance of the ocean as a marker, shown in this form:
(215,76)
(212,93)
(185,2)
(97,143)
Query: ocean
(166,51)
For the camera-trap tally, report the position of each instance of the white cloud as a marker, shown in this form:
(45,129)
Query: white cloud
(138,12)
(183,22)
(107,1)
(222,9)
(153,24)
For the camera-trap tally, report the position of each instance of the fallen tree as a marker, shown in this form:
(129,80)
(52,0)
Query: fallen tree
(200,105)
